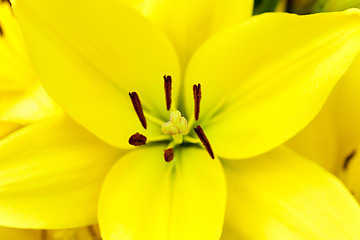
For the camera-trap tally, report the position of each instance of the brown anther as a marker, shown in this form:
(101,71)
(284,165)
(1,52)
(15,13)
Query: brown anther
(138,109)
(168,87)
(348,159)
(200,133)
(137,139)
(169,154)
(1,31)
(197,98)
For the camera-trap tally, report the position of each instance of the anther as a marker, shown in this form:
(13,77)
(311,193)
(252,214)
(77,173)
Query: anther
(200,133)
(137,139)
(138,109)
(348,159)
(1,31)
(168,87)
(169,154)
(197,98)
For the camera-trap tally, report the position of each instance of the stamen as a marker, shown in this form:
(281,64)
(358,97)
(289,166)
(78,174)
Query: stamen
(137,139)
(1,31)
(200,133)
(168,87)
(348,159)
(169,154)
(197,98)
(138,109)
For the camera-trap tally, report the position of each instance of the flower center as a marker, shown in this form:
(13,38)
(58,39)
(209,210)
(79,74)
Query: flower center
(177,127)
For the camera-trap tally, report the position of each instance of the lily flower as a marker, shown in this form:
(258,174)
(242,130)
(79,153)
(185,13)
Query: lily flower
(183,102)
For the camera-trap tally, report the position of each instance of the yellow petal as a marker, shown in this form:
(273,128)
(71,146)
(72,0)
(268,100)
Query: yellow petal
(188,23)
(280,195)
(264,81)
(346,104)
(19,234)
(144,197)
(319,140)
(51,174)
(136,4)
(22,99)
(7,127)
(32,105)
(15,71)
(90,58)
(335,133)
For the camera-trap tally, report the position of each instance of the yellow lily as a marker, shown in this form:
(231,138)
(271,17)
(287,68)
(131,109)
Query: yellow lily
(255,95)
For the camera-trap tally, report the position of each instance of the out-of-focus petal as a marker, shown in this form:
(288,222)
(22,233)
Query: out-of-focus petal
(7,127)
(280,195)
(189,23)
(15,71)
(32,105)
(51,174)
(319,140)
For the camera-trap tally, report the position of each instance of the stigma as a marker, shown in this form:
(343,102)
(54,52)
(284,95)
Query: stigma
(177,127)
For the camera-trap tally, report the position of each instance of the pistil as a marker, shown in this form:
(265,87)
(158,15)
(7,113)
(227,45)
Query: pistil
(176,127)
